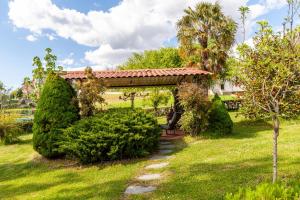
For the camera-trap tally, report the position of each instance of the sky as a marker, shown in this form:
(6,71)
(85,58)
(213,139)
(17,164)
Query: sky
(102,33)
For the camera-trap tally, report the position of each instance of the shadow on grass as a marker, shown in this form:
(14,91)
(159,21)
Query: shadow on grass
(241,129)
(17,179)
(214,180)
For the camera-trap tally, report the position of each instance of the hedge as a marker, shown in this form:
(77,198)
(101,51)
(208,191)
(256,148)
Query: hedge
(112,135)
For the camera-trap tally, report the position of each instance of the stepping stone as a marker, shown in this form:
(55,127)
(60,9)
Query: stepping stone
(167,146)
(149,177)
(135,189)
(164,142)
(160,157)
(157,166)
(165,151)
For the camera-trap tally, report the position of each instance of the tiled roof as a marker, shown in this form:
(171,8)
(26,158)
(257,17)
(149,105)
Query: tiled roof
(138,73)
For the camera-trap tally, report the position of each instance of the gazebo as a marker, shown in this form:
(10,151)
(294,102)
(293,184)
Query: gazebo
(148,78)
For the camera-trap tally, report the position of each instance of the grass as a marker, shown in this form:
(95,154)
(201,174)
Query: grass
(203,168)
(24,175)
(209,168)
(113,101)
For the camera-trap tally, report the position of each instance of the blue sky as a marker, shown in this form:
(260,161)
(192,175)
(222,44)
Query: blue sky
(100,33)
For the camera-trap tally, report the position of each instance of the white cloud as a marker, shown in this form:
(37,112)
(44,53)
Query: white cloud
(130,26)
(67,61)
(31,38)
(50,37)
(107,56)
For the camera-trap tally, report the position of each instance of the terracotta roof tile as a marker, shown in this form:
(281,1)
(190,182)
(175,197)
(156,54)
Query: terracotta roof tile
(138,73)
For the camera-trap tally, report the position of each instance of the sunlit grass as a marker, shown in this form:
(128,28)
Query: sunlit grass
(209,168)
(25,175)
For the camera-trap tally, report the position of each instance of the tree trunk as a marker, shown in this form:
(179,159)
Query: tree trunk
(275,155)
(132,97)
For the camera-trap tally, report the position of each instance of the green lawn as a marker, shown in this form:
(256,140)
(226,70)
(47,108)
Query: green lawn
(24,175)
(202,169)
(208,168)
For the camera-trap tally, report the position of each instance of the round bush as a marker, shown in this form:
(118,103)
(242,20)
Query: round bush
(112,135)
(219,118)
(57,109)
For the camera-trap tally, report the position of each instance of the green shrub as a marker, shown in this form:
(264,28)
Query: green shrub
(219,118)
(194,100)
(9,133)
(112,135)
(9,129)
(57,109)
(267,191)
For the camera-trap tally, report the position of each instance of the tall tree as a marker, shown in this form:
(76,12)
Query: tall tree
(40,72)
(270,76)
(244,10)
(293,8)
(207,33)
(161,58)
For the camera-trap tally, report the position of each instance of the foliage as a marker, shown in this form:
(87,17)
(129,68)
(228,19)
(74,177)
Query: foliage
(158,98)
(9,129)
(112,135)
(90,93)
(267,191)
(270,76)
(16,94)
(162,58)
(219,118)
(27,88)
(207,34)
(194,100)
(3,94)
(41,72)
(56,109)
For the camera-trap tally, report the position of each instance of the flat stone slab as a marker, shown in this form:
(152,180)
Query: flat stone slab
(160,157)
(165,151)
(136,189)
(149,177)
(167,146)
(164,142)
(157,166)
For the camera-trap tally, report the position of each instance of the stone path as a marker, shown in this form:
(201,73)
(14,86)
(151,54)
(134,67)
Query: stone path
(157,166)
(148,177)
(165,147)
(135,189)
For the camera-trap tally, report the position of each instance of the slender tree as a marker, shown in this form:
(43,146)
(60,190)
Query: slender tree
(293,8)
(206,35)
(40,72)
(244,10)
(270,76)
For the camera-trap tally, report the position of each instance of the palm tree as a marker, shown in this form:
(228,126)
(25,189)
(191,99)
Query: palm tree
(244,10)
(205,32)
